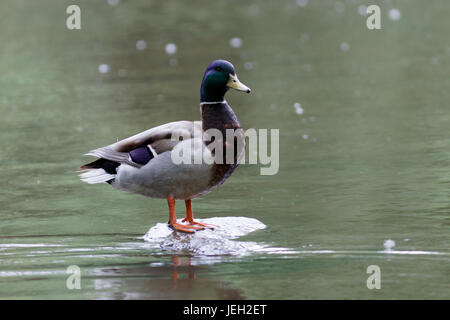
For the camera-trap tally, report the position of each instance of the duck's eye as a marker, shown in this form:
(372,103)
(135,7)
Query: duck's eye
(218,69)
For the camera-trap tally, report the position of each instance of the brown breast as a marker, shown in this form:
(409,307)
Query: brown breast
(220,116)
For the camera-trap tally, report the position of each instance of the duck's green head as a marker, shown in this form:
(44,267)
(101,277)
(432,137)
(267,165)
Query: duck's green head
(218,78)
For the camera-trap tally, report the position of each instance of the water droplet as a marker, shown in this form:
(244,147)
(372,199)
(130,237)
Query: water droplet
(113,2)
(141,45)
(248,65)
(298,108)
(344,47)
(394,14)
(103,68)
(302,3)
(304,37)
(362,10)
(305,136)
(236,42)
(171,48)
(388,244)
(253,10)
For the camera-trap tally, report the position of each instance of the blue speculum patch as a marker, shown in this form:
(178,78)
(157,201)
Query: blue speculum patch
(141,155)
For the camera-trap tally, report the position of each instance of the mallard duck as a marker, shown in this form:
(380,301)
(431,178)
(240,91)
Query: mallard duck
(143,163)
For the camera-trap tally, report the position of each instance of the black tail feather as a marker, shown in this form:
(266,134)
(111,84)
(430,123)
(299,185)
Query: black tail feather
(107,165)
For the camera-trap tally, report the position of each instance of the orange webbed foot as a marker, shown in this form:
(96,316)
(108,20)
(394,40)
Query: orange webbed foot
(204,225)
(190,217)
(184,228)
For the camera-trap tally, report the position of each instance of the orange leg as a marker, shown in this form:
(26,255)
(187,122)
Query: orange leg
(190,216)
(173,219)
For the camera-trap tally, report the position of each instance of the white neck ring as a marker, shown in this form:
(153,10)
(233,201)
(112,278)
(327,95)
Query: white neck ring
(212,102)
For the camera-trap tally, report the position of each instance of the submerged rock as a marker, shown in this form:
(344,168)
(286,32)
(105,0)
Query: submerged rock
(217,241)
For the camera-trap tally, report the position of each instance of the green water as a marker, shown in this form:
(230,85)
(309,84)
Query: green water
(367,161)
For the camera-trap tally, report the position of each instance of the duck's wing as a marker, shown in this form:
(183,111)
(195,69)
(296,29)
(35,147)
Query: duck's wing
(156,140)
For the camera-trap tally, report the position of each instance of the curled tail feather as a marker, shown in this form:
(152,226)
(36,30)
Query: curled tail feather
(99,171)
(93,176)
(104,169)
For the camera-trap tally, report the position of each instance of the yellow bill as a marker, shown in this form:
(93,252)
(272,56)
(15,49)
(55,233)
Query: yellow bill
(234,83)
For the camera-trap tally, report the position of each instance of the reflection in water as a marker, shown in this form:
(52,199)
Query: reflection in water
(177,279)
(136,269)
(175,263)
